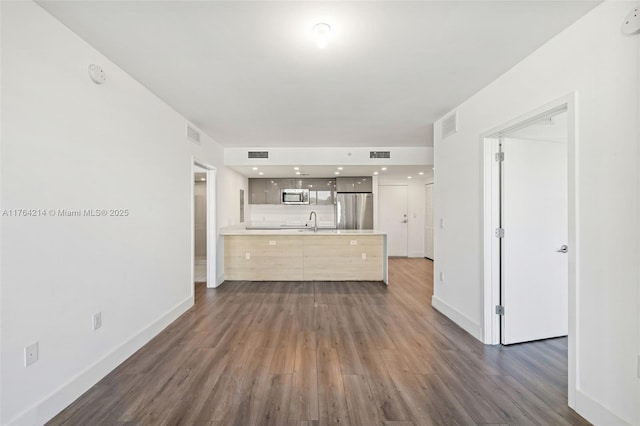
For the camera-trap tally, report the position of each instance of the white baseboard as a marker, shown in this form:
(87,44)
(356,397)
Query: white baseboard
(416,254)
(456,316)
(45,409)
(595,412)
(220,279)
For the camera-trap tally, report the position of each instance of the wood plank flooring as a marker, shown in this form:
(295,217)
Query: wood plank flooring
(328,353)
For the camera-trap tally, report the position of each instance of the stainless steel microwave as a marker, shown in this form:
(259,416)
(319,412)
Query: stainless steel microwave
(295,196)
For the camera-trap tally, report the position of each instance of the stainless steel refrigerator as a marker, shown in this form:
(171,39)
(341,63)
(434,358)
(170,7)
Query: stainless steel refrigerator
(354,210)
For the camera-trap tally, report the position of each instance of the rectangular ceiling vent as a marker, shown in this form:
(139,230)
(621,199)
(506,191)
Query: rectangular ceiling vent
(450,125)
(193,135)
(258,154)
(379,154)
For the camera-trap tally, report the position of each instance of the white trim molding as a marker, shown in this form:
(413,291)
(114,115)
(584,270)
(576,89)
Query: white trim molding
(458,317)
(45,409)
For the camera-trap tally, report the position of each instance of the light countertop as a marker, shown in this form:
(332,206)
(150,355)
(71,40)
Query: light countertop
(307,231)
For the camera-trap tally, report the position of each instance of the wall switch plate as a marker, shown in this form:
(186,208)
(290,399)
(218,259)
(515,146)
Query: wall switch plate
(353,242)
(441,276)
(30,354)
(364,256)
(272,243)
(247,256)
(97,321)
(441,223)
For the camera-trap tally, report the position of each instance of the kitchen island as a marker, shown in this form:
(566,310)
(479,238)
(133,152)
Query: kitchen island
(304,255)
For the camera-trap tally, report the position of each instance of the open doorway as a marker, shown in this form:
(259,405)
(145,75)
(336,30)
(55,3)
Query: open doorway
(529,230)
(200,225)
(203,229)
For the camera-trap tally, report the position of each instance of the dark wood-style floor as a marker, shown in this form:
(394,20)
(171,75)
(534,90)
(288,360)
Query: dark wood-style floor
(328,353)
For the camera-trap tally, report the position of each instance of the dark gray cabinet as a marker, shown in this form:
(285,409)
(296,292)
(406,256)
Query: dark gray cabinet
(268,191)
(257,191)
(354,184)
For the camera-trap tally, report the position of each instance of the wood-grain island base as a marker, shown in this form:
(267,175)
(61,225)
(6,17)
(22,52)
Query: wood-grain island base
(318,257)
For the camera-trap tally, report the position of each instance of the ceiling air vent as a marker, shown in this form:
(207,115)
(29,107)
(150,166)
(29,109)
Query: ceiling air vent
(450,125)
(379,154)
(193,135)
(258,154)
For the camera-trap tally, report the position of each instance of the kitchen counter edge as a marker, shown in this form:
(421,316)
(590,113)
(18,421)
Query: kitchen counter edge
(242,231)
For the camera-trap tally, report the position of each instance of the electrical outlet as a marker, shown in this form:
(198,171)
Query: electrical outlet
(441,276)
(354,242)
(30,354)
(97,321)
(247,256)
(364,256)
(272,243)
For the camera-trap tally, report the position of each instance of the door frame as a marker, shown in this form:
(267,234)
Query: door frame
(424,236)
(212,229)
(491,216)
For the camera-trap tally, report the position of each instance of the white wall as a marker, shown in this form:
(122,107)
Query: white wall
(352,156)
(594,59)
(415,209)
(69,143)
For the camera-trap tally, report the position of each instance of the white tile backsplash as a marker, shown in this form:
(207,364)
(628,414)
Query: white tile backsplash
(273,214)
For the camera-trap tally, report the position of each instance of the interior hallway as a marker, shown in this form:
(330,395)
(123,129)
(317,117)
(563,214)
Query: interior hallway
(336,353)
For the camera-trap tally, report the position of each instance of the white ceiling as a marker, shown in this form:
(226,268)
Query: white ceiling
(249,73)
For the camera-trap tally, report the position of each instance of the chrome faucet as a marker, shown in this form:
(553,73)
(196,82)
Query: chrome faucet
(315,221)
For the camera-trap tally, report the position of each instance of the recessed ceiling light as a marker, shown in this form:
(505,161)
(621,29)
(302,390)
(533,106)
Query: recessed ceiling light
(421,173)
(408,177)
(375,173)
(383,169)
(254,168)
(260,173)
(297,173)
(296,168)
(322,32)
(336,173)
(203,178)
(339,168)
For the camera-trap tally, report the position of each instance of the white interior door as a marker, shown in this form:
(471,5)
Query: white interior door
(393,218)
(428,221)
(534,285)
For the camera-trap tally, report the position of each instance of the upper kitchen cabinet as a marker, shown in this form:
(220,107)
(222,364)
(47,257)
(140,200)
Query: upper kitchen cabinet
(269,191)
(257,191)
(354,184)
(321,191)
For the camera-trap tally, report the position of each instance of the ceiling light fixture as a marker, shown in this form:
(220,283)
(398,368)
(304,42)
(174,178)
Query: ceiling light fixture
(336,173)
(296,168)
(254,168)
(408,177)
(339,168)
(297,173)
(203,179)
(260,173)
(421,173)
(322,32)
(383,169)
(375,173)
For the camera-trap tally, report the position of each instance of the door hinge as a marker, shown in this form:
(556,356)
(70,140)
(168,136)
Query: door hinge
(499,232)
(499,156)
(499,310)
